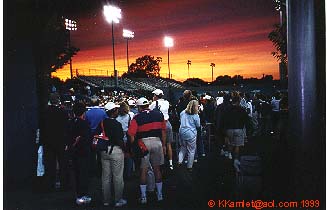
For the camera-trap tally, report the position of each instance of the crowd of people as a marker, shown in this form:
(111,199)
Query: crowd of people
(139,135)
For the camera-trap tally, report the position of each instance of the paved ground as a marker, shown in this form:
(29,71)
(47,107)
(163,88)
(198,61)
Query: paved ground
(213,177)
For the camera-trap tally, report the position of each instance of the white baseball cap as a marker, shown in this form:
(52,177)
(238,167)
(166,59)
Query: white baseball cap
(142,101)
(131,102)
(207,97)
(110,105)
(158,92)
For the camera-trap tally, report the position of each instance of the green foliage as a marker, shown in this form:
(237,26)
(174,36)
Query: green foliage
(279,39)
(144,67)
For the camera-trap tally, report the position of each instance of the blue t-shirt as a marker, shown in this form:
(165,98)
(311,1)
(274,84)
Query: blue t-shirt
(94,117)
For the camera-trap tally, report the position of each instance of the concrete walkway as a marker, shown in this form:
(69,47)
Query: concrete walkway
(213,178)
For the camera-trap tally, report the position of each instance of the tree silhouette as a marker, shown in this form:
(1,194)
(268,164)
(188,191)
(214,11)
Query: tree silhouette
(279,40)
(144,67)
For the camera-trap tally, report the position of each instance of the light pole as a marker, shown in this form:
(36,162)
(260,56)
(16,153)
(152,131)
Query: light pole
(70,26)
(169,42)
(188,67)
(278,7)
(212,65)
(112,15)
(127,35)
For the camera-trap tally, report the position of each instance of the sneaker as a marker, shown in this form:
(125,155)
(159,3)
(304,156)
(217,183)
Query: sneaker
(171,167)
(121,203)
(87,199)
(230,156)
(222,152)
(195,161)
(143,200)
(81,201)
(226,153)
(185,161)
(237,164)
(159,197)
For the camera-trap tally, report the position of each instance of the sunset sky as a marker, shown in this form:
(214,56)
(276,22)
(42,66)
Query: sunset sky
(233,34)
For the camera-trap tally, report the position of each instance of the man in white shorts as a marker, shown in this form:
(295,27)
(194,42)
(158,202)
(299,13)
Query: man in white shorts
(149,127)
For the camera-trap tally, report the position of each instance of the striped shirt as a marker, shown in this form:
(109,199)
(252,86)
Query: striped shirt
(147,123)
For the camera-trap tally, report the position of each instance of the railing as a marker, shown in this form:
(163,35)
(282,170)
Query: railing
(207,140)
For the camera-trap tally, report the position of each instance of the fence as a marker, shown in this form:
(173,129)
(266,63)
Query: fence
(96,72)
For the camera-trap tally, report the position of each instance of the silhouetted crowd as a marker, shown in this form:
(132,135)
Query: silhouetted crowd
(113,135)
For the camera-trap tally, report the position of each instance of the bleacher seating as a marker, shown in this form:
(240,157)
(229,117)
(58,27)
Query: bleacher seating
(131,84)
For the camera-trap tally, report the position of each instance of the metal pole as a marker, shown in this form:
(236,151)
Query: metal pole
(281,17)
(188,70)
(113,54)
(127,55)
(70,59)
(211,74)
(168,65)
(306,92)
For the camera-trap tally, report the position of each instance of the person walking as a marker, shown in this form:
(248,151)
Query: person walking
(219,131)
(80,146)
(113,159)
(190,122)
(149,127)
(233,121)
(163,105)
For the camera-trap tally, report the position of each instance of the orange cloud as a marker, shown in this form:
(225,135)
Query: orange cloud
(235,41)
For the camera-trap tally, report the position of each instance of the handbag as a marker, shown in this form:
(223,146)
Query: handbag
(100,143)
(139,150)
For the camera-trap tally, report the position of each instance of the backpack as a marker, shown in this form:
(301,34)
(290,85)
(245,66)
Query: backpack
(157,107)
(102,142)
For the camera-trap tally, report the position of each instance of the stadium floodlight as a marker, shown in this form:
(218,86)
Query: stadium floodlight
(278,6)
(112,15)
(127,34)
(71,25)
(169,42)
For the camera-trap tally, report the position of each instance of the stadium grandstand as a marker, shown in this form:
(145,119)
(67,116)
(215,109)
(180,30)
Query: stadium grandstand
(105,79)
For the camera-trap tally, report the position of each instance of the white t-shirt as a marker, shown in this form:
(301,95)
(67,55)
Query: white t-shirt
(124,121)
(163,106)
(220,100)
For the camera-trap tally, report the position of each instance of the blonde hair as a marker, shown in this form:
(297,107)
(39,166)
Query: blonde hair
(192,107)
(123,109)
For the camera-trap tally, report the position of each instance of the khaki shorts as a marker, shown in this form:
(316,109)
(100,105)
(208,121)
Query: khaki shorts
(155,156)
(235,137)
